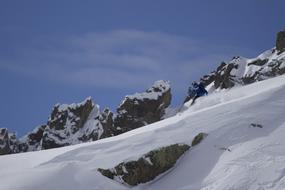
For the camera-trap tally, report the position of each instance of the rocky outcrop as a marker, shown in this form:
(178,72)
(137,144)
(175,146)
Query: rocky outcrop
(242,71)
(66,125)
(143,108)
(32,141)
(8,142)
(198,138)
(280,41)
(148,167)
(69,125)
(75,114)
(223,77)
(107,121)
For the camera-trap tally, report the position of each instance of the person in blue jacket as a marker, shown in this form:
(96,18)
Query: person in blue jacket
(197,91)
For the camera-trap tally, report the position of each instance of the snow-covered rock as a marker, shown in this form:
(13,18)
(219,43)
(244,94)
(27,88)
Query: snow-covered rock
(144,108)
(242,71)
(66,125)
(107,121)
(8,142)
(32,141)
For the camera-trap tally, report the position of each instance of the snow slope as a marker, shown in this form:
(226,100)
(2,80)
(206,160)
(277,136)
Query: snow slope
(234,156)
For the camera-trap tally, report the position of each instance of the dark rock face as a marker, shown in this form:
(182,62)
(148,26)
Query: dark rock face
(280,41)
(271,69)
(32,141)
(76,114)
(65,121)
(222,77)
(143,108)
(8,142)
(107,122)
(4,142)
(148,166)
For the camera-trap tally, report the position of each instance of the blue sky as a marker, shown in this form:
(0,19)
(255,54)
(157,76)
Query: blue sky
(63,51)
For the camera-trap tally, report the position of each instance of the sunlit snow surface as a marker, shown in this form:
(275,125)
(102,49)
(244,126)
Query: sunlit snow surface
(235,156)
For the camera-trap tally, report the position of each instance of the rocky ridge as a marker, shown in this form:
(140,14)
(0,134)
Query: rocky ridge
(84,122)
(243,71)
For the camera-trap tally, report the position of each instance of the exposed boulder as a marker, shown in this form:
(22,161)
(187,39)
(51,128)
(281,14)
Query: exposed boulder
(148,167)
(256,125)
(198,138)
(8,142)
(280,41)
(143,108)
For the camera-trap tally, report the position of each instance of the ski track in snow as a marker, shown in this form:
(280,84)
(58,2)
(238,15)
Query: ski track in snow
(235,156)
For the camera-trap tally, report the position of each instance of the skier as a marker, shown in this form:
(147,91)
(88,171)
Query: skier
(197,91)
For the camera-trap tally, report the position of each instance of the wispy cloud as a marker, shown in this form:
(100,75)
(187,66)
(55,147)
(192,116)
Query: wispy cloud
(117,59)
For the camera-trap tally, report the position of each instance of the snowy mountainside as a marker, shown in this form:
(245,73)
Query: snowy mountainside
(244,148)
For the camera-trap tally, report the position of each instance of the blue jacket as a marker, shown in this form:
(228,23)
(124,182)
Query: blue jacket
(197,90)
